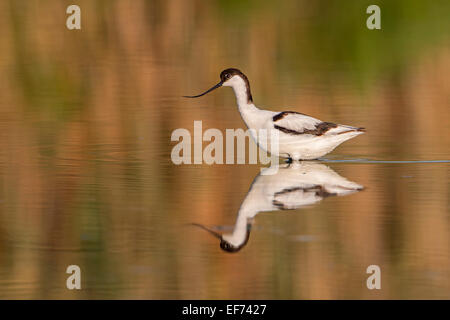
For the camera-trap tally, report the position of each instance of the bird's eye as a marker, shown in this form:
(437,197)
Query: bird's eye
(228,76)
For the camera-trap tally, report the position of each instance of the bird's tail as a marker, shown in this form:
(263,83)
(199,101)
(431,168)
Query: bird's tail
(341,129)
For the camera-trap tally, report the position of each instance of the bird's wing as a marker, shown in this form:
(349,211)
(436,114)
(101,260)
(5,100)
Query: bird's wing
(297,197)
(291,122)
(294,121)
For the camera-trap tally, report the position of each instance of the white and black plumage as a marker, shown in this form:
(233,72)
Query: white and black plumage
(283,188)
(301,137)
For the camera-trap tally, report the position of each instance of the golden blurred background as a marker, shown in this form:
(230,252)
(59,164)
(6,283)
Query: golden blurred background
(86,177)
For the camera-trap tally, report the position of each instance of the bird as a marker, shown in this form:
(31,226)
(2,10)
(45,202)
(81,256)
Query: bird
(283,187)
(300,137)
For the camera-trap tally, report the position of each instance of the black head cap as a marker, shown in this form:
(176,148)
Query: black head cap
(227,74)
(228,247)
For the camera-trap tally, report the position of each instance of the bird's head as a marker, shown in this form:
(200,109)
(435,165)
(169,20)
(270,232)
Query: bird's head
(230,78)
(226,241)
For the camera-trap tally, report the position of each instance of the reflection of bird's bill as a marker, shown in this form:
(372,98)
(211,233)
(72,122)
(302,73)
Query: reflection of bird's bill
(214,233)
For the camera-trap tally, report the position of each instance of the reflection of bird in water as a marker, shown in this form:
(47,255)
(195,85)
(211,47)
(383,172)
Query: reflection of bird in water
(301,137)
(283,188)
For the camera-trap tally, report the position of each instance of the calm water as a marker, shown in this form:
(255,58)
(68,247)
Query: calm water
(86,176)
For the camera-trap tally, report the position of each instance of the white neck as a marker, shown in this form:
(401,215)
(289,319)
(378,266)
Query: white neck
(247,109)
(248,210)
(239,234)
(240,91)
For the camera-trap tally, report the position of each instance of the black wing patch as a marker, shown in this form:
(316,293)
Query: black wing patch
(282,114)
(317,189)
(319,130)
